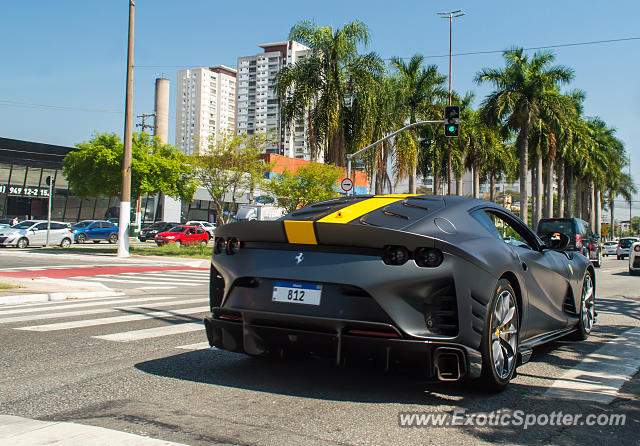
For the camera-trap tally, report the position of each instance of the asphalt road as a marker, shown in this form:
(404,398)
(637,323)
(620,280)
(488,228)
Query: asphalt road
(150,373)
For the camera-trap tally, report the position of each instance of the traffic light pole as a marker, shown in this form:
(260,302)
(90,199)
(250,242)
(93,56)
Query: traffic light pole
(351,156)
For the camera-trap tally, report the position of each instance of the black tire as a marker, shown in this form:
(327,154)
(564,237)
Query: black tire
(494,376)
(619,257)
(113,238)
(81,238)
(587,310)
(142,239)
(22,243)
(634,272)
(65,243)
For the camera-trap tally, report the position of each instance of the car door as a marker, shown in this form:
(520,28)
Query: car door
(38,234)
(545,275)
(190,236)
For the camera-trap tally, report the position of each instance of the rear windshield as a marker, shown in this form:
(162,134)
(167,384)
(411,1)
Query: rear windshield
(563,226)
(627,242)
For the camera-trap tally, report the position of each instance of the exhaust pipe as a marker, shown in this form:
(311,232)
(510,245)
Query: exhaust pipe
(449,364)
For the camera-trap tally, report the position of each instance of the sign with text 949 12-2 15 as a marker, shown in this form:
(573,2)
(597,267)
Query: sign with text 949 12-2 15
(19,191)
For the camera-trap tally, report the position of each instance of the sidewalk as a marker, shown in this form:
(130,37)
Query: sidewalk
(18,431)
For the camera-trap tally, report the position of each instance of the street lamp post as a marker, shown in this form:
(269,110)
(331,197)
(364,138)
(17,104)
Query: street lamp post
(450,15)
(125,198)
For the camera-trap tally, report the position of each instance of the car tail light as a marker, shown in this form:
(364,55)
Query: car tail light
(220,245)
(428,257)
(578,240)
(233,245)
(230,317)
(636,248)
(395,255)
(379,334)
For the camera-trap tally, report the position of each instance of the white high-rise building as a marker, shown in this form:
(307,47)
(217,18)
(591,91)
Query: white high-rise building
(258,107)
(205,108)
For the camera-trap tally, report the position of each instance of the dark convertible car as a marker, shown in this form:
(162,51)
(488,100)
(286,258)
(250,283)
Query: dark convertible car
(453,286)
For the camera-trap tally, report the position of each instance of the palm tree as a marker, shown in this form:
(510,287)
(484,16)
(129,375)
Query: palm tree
(327,81)
(420,89)
(522,88)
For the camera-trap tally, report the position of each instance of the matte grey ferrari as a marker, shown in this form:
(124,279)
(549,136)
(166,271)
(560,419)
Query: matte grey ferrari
(451,286)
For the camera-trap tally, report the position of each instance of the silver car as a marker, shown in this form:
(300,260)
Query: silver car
(609,248)
(34,233)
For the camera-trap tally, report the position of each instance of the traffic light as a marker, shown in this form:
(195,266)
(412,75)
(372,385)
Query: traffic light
(452,121)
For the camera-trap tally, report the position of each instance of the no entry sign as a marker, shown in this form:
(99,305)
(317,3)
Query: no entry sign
(346,184)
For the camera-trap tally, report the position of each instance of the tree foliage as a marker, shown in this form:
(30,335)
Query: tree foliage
(231,167)
(309,184)
(94,169)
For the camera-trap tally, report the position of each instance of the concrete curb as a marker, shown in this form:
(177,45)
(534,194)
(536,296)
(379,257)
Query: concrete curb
(24,431)
(51,297)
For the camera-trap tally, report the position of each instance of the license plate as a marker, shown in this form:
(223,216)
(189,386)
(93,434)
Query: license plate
(297,293)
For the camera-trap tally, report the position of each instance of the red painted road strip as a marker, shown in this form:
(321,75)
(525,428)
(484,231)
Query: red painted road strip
(94,271)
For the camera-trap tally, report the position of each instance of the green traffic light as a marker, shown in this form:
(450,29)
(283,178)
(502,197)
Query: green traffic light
(452,128)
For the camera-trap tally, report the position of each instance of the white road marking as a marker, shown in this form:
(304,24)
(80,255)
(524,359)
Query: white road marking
(198,346)
(127,280)
(164,277)
(600,375)
(114,319)
(79,304)
(62,314)
(136,335)
(69,301)
(156,287)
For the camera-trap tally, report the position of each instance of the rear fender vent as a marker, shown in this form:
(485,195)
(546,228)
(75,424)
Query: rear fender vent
(440,311)
(216,288)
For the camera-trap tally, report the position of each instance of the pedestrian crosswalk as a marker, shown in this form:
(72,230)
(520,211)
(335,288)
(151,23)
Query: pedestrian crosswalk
(119,320)
(160,280)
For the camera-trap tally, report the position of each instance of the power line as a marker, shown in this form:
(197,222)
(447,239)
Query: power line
(469,53)
(55,107)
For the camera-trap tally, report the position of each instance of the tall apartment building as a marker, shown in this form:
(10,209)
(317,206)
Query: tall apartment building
(205,107)
(257,105)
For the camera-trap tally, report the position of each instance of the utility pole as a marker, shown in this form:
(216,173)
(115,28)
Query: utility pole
(143,117)
(630,201)
(450,15)
(125,198)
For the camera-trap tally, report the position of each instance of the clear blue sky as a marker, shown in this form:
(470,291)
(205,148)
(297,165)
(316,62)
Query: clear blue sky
(69,56)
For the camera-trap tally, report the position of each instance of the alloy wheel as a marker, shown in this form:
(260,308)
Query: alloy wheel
(504,334)
(588,304)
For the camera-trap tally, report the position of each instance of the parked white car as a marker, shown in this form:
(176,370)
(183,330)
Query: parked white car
(208,227)
(609,248)
(624,246)
(634,259)
(34,233)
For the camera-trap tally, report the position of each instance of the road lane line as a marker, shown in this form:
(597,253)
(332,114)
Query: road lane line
(63,314)
(114,319)
(156,287)
(198,346)
(600,375)
(136,335)
(80,304)
(125,280)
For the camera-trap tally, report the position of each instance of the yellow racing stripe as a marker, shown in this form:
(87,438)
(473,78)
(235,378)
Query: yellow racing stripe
(300,232)
(357,210)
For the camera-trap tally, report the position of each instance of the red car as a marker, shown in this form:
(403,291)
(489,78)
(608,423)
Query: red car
(183,235)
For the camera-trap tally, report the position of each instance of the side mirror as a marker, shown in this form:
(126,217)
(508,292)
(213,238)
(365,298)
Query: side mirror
(556,241)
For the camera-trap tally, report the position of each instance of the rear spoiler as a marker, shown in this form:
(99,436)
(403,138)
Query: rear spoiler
(327,234)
